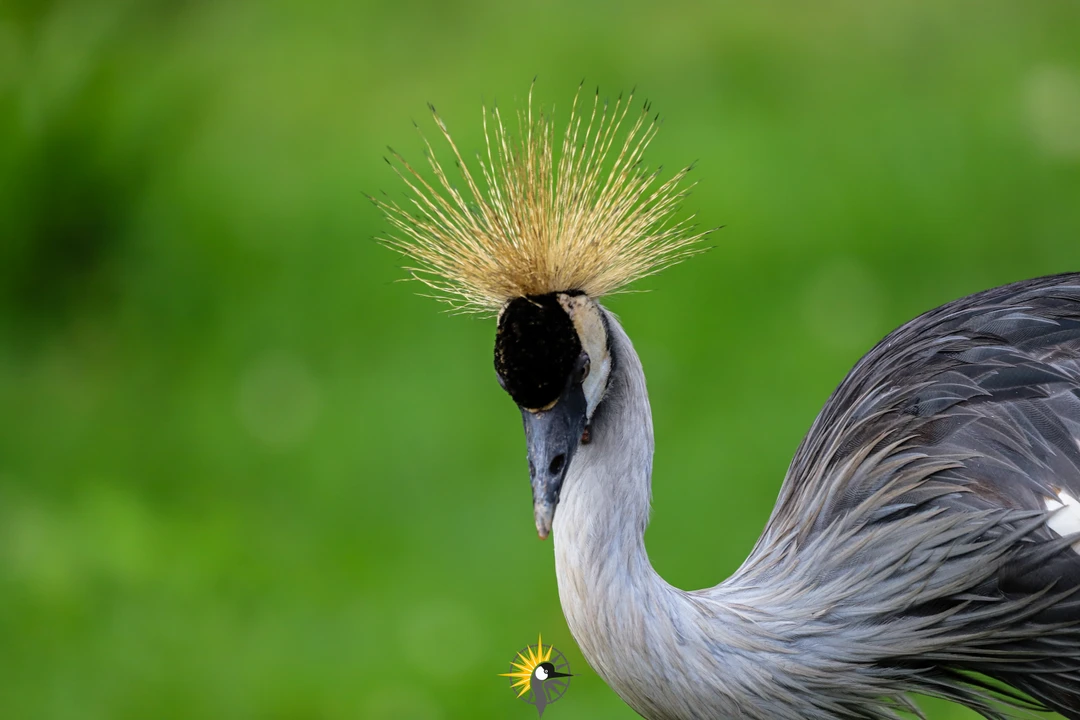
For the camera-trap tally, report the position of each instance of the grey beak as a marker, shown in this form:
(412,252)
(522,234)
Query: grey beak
(553,436)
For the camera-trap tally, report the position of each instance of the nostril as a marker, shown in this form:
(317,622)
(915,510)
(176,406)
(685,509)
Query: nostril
(557,464)
(532,468)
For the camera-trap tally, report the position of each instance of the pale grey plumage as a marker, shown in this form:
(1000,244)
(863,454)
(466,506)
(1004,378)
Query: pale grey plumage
(895,561)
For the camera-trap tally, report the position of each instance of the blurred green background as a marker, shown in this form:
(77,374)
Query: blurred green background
(245,474)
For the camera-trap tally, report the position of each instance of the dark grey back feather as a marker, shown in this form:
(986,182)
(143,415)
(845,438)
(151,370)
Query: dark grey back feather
(926,475)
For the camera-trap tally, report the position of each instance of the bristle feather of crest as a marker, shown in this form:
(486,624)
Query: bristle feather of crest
(589,219)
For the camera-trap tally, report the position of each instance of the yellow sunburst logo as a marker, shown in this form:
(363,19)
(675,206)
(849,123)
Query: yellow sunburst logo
(526,662)
(540,674)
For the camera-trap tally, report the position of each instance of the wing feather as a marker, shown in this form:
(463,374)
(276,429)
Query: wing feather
(934,464)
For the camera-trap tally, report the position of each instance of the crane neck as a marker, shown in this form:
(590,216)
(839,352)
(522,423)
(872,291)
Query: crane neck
(615,604)
(602,516)
(666,652)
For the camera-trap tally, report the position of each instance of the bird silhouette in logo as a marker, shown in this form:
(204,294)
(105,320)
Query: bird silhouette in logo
(538,675)
(544,671)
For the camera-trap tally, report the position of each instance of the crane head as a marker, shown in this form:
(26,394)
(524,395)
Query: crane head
(552,357)
(537,229)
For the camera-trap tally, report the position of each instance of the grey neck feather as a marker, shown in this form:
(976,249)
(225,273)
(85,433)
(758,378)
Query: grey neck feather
(640,633)
(742,650)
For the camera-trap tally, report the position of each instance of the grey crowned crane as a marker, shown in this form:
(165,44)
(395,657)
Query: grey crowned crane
(923,538)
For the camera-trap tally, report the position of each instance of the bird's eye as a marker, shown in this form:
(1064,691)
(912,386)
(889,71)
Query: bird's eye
(583,365)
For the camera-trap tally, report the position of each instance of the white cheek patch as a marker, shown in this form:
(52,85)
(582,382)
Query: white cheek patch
(589,323)
(1065,517)
(595,385)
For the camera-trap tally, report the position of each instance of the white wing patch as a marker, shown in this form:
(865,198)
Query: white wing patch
(1065,515)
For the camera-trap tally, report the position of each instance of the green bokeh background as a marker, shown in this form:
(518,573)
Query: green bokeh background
(245,474)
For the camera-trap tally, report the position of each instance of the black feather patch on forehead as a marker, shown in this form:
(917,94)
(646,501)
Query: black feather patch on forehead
(536,346)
